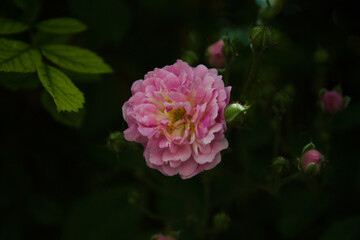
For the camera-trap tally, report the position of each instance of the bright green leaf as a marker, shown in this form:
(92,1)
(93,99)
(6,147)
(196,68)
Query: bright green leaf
(75,59)
(16,56)
(61,26)
(8,26)
(66,95)
(71,119)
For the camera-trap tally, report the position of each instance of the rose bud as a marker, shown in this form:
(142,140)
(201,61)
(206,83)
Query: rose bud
(162,237)
(311,161)
(260,38)
(169,236)
(216,56)
(234,111)
(332,101)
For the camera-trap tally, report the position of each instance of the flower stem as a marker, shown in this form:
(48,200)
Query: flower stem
(206,209)
(254,70)
(227,73)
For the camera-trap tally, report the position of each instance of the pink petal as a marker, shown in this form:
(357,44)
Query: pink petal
(182,154)
(169,171)
(187,168)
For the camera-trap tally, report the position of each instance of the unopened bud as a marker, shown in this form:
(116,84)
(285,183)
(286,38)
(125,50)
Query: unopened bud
(280,165)
(311,162)
(116,142)
(333,101)
(170,236)
(260,38)
(234,111)
(216,55)
(231,48)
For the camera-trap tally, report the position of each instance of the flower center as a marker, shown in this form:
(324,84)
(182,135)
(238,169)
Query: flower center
(176,114)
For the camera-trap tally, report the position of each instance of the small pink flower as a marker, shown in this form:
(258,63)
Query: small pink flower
(162,237)
(177,113)
(216,56)
(332,101)
(311,158)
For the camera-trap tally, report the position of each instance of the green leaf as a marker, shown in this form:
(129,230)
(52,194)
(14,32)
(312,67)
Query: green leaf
(61,26)
(75,59)
(8,26)
(66,95)
(71,119)
(16,56)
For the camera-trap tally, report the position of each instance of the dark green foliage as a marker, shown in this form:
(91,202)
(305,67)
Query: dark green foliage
(72,175)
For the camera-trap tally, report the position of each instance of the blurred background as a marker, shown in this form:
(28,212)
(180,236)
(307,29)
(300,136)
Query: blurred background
(60,180)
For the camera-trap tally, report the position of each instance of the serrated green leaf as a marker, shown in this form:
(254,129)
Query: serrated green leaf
(61,26)
(75,58)
(9,26)
(16,56)
(71,119)
(66,95)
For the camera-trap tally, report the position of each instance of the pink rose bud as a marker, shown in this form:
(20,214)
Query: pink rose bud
(311,161)
(332,101)
(162,237)
(216,56)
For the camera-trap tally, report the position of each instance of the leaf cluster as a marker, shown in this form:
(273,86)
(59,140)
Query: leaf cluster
(20,57)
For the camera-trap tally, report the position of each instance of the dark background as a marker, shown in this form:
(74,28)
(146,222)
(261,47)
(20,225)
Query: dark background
(58,182)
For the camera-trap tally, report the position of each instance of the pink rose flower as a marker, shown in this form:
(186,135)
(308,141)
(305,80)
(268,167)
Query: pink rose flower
(310,158)
(332,101)
(177,113)
(216,56)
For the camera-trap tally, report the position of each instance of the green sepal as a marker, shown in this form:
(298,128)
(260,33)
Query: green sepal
(309,146)
(280,164)
(338,89)
(311,169)
(322,91)
(346,101)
